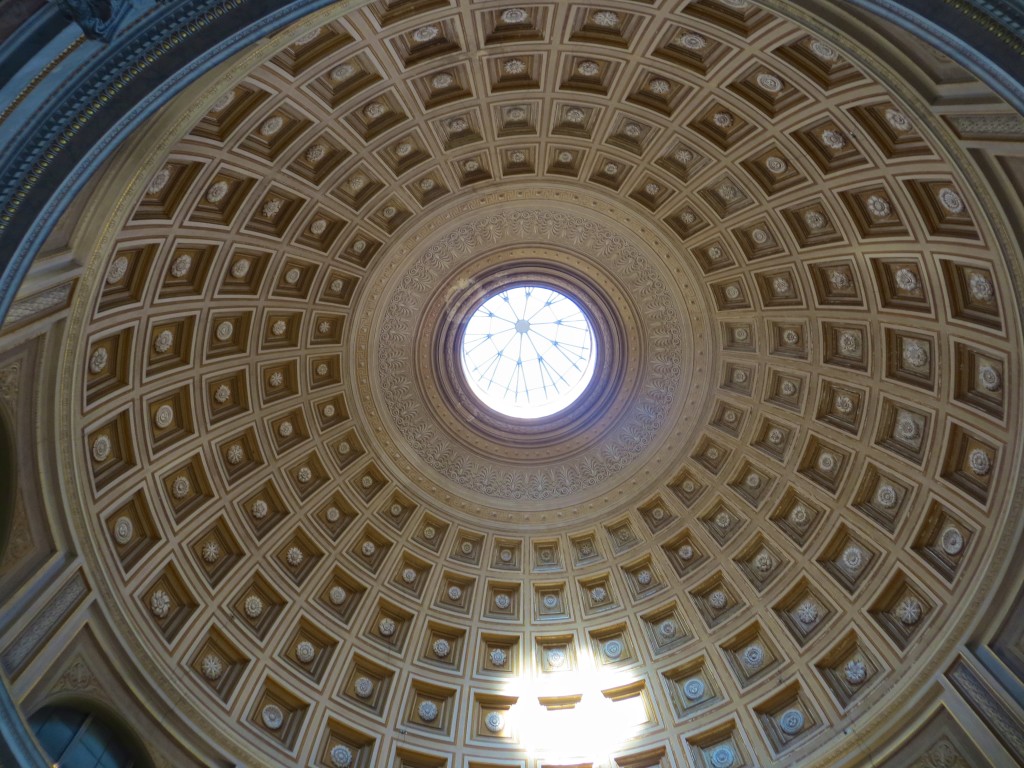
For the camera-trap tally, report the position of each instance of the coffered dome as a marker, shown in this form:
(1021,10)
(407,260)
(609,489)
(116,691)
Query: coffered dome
(765,523)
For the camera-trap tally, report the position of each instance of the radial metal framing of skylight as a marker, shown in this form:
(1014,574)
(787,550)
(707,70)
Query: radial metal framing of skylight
(528,352)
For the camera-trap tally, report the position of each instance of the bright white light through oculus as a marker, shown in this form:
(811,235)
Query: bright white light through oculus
(528,352)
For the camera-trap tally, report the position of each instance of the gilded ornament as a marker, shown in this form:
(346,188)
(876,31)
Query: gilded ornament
(441,648)
(952,541)
(375,110)
(823,51)
(217,191)
(886,496)
(951,201)
(814,220)
(658,86)
(124,530)
(223,102)
(272,207)
(211,551)
(855,672)
(212,666)
(442,80)
(117,270)
(723,119)
(906,280)
(426,33)
(180,266)
(235,454)
(691,41)
(225,330)
(722,757)
(833,139)
(807,612)
(272,716)
(160,604)
(849,343)
(181,487)
(364,687)
(341,756)
(305,651)
(989,378)
(253,606)
(240,268)
(753,656)
(342,72)
(163,342)
(102,448)
(514,67)
(915,353)
(514,16)
(494,722)
(852,558)
(769,83)
(979,462)
(271,126)
(791,722)
(98,360)
(980,287)
(908,611)
(799,516)
(316,153)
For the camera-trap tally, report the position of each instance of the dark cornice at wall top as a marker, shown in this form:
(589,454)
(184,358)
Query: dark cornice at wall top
(86,117)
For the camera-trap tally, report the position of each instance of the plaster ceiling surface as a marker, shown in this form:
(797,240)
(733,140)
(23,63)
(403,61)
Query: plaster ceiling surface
(764,524)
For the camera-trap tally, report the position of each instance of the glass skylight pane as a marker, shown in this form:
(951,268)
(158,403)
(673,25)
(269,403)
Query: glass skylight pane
(528,352)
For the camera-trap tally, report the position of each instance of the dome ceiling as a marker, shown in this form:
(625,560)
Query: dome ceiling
(754,530)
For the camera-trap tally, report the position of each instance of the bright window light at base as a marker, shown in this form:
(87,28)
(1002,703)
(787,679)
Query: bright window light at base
(593,729)
(528,352)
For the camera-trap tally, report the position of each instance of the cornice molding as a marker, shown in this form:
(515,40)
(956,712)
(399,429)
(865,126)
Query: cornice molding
(88,117)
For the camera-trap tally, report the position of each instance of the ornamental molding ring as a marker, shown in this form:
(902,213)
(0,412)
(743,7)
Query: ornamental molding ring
(580,237)
(618,349)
